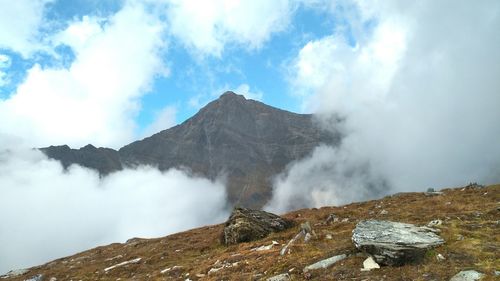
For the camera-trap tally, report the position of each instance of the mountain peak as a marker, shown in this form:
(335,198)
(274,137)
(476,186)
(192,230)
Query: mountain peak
(231,95)
(246,140)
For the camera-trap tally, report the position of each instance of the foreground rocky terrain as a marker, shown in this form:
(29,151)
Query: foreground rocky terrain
(467,219)
(247,141)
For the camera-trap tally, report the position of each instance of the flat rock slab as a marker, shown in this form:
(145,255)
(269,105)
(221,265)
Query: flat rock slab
(394,243)
(246,225)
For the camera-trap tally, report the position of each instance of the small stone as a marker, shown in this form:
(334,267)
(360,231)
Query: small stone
(281,277)
(306,227)
(440,257)
(307,237)
(433,193)
(137,260)
(467,275)
(369,264)
(38,277)
(384,212)
(214,270)
(329,237)
(434,223)
(325,263)
(332,218)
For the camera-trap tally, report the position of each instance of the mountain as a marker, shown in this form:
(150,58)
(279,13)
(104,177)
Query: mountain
(467,218)
(245,140)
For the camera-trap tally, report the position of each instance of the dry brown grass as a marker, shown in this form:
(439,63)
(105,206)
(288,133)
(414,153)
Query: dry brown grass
(471,223)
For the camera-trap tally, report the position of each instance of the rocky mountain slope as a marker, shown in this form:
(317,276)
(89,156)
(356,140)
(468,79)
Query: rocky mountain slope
(245,140)
(466,218)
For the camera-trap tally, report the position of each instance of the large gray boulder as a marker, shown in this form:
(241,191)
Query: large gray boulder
(394,243)
(246,225)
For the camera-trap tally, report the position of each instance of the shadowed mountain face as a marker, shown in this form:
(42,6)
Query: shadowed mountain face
(245,140)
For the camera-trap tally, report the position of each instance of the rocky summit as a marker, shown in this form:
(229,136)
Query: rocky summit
(245,140)
(469,223)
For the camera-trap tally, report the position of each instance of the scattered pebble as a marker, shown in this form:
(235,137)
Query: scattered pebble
(281,277)
(325,263)
(122,264)
(38,277)
(440,257)
(434,223)
(307,237)
(369,264)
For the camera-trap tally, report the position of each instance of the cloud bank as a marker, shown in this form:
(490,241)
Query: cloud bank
(47,213)
(418,91)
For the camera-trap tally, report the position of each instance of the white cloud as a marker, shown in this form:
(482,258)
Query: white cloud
(97,97)
(20,23)
(46,213)
(4,65)
(244,90)
(329,176)
(79,35)
(418,94)
(208,26)
(164,119)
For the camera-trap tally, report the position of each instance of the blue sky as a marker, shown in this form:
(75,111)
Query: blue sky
(408,79)
(193,73)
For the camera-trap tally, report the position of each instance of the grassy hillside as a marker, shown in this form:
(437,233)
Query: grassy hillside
(471,229)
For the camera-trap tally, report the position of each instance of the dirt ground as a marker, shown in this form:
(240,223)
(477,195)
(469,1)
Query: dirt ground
(471,229)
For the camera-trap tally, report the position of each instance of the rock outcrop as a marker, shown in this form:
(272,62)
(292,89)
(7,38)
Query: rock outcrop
(394,243)
(245,225)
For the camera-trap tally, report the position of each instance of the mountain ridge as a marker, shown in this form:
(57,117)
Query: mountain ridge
(246,140)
